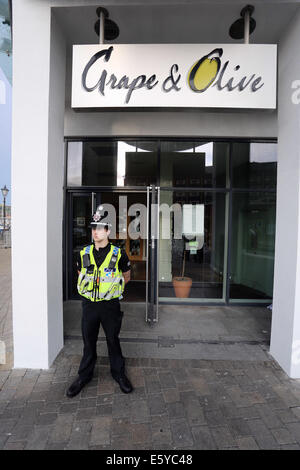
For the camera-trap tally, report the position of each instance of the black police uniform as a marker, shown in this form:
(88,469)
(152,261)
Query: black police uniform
(109,314)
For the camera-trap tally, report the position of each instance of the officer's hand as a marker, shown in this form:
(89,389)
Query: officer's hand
(126,276)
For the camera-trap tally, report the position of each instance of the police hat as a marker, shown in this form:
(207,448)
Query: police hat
(98,219)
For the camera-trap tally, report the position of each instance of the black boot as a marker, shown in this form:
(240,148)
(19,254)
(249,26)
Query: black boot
(76,387)
(125,384)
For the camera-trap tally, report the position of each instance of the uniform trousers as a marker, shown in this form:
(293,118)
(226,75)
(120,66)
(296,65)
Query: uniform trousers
(107,313)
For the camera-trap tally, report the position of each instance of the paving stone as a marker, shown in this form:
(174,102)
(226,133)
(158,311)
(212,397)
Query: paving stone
(104,410)
(230,410)
(214,417)
(80,436)
(52,406)
(287,416)
(29,416)
(247,443)
(156,403)
(262,435)
(294,429)
(296,411)
(85,414)
(290,447)
(152,384)
(105,399)
(139,392)
(121,406)
(222,437)
(12,413)
(283,436)
(181,375)
(37,439)
(100,433)
(268,416)
(14,445)
(140,412)
(160,428)
(46,418)
(141,433)
(20,432)
(6,425)
(61,429)
(171,395)
(286,395)
(166,380)
(200,385)
(208,403)
(203,438)
(181,434)
(56,446)
(3,439)
(121,427)
(194,412)
(175,410)
(87,402)
(68,407)
(238,427)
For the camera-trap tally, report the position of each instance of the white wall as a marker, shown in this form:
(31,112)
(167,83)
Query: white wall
(285,337)
(37,153)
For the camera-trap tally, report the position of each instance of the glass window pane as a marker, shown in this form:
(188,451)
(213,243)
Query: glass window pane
(81,233)
(254,165)
(252,245)
(194,164)
(141,164)
(99,164)
(107,163)
(191,244)
(74,164)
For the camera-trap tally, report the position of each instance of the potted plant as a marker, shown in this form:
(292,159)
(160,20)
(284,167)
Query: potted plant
(182,284)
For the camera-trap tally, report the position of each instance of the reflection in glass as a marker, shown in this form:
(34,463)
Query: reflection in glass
(190,164)
(253,240)
(74,164)
(254,165)
(110,163)
(81,233)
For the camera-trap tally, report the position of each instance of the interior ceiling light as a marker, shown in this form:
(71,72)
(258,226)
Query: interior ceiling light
(111,29)
(237,29)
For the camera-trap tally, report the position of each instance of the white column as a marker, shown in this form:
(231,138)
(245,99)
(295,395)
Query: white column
(37,182)
(285,333)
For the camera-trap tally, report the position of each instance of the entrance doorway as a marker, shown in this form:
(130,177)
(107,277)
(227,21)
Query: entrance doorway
(204,211)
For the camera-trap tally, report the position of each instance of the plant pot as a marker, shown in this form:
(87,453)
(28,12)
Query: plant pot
(182,286)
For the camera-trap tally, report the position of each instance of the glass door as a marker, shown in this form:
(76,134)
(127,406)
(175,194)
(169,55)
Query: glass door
(132,215)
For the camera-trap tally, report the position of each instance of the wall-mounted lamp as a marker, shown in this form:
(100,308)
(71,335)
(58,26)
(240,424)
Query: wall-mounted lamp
(244,26)
(104,27)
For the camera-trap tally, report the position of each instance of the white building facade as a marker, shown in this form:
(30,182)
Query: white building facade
(46,130)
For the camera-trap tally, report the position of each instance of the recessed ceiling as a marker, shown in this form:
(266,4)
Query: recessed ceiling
(183,23)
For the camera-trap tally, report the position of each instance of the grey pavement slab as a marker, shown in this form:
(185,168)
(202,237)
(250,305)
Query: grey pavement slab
(175,404)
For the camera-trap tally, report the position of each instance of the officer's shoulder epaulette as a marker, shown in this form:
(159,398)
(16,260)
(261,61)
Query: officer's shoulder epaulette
(86,248)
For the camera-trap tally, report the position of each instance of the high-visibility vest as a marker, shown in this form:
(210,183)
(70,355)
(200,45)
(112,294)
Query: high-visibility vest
(103,283)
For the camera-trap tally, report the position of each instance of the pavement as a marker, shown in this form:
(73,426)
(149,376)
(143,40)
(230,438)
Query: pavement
(6,332)
(216,389)
(175,404)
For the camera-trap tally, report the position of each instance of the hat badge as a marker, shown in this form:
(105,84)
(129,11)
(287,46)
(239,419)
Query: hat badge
(96,217)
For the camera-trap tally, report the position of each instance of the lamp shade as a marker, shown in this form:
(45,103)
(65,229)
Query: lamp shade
(5,191)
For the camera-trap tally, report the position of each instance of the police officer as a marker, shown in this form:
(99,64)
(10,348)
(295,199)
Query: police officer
(103,271)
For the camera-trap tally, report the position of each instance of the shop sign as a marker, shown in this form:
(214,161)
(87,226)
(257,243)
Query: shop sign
(174,76)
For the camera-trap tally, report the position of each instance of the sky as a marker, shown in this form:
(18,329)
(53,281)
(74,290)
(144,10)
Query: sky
(5,100)
(5,135)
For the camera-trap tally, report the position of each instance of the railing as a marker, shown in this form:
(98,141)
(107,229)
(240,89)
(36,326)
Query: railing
(5,233)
